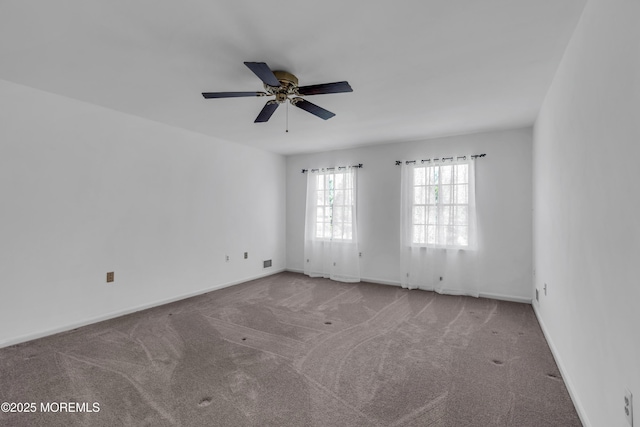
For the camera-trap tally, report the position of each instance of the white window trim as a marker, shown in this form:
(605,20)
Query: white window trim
(440,246)
(352,208)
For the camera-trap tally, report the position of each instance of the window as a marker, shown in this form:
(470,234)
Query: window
(440,208)
(330,226)
(334,205)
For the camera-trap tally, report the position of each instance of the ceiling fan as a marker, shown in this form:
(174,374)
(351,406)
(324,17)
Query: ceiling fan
(284,86)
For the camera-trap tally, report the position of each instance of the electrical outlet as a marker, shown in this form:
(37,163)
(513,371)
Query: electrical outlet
(226,258)
(628,407)
(246,255)
(110,276)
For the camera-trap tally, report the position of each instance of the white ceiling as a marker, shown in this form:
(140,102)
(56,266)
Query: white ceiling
(419,69)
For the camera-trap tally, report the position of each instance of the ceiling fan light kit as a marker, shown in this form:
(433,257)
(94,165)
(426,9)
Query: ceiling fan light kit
(283,86)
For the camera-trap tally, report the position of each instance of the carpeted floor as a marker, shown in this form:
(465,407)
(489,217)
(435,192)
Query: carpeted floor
(288,350)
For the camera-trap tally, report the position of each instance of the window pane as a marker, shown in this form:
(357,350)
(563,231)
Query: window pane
(338,215)
(444,194)
(418,195)
(337,230)
(431,235)
(327,230)
(327,197)
(419,176)
(450,233)
(346,181)
(442,234)
(462,194)
(446,173)
(432,194)
(419,215)
(445,216)
(348,197)
(347,214)
(432,175)
(461,216)
(462,174)
(339,181)
(334,205)
(432,215)
(440,211)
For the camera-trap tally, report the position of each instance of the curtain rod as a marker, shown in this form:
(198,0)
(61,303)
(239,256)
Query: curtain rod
(359,165)
(435,159)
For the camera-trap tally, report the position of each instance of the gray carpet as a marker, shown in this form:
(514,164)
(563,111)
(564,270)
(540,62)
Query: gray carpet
(288,350)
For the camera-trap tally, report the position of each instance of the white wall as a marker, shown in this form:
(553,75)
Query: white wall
(85,190)
(503,202)
(586,220)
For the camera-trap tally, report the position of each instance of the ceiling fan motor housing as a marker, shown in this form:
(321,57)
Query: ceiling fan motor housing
(286,79)
(288,86)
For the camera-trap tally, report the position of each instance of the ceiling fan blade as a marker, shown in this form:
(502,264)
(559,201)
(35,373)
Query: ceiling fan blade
(336,87)
(269,108)
(263,71)
(312,108)
(209,95)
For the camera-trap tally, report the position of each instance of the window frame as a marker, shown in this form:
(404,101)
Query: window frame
(329,202)
(438,206)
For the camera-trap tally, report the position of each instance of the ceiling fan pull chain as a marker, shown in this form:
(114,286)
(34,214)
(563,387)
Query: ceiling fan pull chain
(287,118)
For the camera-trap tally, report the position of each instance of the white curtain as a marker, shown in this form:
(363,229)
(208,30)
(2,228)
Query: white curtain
(331,231)
(439,240)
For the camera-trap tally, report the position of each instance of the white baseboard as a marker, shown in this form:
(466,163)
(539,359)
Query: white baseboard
(395,283)
(482,294)
(381,281)
(362,279)
(70,326)
(505,297)
(567,380)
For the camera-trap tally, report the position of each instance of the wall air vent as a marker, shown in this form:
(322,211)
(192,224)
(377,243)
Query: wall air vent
(266,263)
